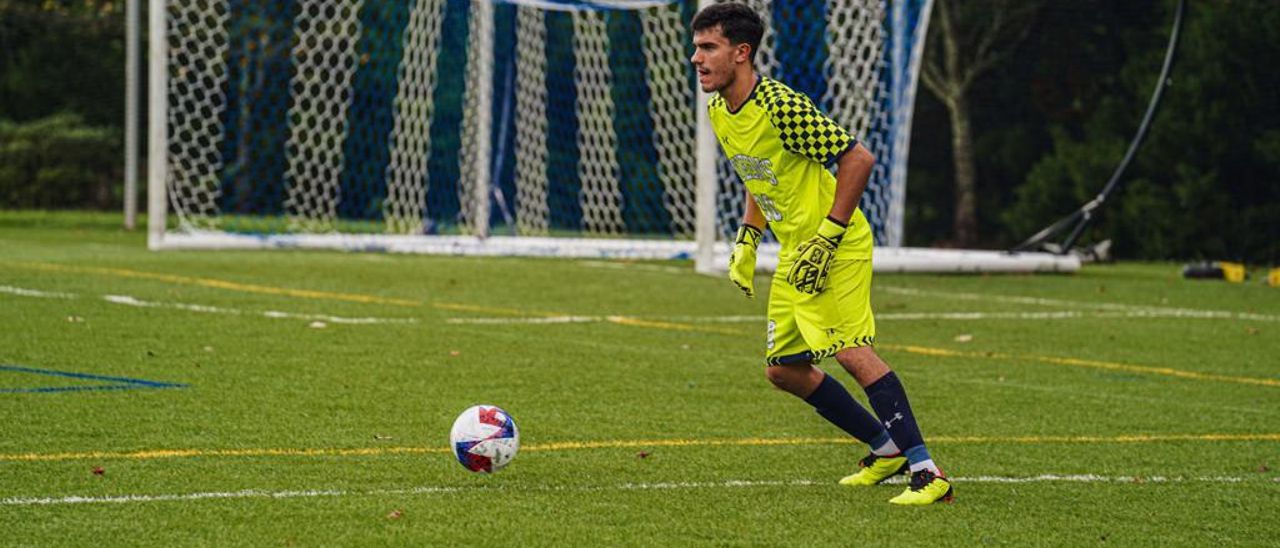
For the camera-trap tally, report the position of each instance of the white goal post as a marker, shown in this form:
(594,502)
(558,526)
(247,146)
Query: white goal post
(567,128)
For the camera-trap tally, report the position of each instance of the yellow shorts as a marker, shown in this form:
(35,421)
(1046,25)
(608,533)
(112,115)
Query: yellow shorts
(805,328)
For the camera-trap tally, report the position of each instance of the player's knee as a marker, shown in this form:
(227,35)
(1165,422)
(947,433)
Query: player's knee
(798,380)
(789,378)
(853,358)
(778,376)
(862,363)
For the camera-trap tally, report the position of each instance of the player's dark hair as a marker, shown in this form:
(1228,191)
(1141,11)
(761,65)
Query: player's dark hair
(739,23)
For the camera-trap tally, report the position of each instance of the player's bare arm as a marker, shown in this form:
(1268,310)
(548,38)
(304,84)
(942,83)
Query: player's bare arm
(751,214)
(853,170)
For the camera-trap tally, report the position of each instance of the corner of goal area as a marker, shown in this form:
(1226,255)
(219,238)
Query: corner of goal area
(41,381)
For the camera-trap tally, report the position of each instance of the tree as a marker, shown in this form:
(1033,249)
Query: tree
(61,103)
(967,39)
(62,56)
(1204,184)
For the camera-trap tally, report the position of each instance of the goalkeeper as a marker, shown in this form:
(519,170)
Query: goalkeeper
(780,145)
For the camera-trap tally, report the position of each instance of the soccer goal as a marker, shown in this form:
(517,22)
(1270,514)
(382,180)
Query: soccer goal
(568,128)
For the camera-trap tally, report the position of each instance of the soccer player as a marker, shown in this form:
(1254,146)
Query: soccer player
(780,145)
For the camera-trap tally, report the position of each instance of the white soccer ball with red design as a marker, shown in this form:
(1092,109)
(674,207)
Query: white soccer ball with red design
(484,438)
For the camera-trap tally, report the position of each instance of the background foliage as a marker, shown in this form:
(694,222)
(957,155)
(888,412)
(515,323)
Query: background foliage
(1055,120)
(61,104)
(1050,125)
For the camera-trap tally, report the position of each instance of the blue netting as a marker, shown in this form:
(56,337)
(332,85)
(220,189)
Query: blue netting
(443,206)
(367,150)
(256,132)
(801,46)
(562,128)
(502,167)
(642,190)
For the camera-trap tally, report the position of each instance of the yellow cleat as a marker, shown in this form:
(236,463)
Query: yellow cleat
(926,488)
(875,469)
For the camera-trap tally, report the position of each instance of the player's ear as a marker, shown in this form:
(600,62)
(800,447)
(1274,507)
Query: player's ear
(742,53)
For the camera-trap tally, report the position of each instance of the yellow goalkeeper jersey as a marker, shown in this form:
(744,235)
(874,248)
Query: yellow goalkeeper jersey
(780,145)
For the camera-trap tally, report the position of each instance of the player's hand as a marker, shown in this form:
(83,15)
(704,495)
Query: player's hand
(742,260)
(812,265)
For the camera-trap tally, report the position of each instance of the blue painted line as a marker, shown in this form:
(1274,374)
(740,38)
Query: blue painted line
(67,389)
(118,383)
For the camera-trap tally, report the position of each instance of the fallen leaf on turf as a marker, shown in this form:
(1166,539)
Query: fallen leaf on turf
(1264,468)
(98,471)
(395,514)
(642,455)
(318,325)
(1251,330)
(382,437)
(964,338)
(455,353)
(75,319)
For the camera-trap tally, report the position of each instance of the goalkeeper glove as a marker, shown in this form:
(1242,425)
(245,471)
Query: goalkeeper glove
(809,272)
(742,260)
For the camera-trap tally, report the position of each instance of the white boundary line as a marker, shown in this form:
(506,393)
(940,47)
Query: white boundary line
(130,301)
(660,486)
(127,300)
(23,292)
(1139,310)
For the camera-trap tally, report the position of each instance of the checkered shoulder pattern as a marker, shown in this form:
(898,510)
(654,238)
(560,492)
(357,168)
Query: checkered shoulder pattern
(803,129)
(716,101)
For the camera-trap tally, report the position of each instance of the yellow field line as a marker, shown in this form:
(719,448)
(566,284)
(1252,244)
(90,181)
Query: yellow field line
(220,284)
(492,310)
(1076,362)
(618,444)
(673,326)
(349,297)
(269,290)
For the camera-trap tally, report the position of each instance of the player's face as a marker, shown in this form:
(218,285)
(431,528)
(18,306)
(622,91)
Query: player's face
(716,59)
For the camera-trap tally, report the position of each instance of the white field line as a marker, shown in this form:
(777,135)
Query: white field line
(206,309)
(23,292)
(1138,310)
(661,486)
(130,301)
(1133,311)
(530,321)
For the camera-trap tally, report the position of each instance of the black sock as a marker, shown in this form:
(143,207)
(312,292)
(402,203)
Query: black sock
(889,400)
(834,403)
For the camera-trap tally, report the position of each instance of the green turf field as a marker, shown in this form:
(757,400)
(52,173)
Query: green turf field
(304,398)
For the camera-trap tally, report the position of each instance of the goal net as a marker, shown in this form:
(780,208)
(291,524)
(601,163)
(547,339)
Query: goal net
(568,128)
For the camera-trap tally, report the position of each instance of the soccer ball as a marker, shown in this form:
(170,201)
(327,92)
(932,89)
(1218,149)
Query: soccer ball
(484,438)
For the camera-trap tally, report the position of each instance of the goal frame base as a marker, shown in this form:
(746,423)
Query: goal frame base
(884,259)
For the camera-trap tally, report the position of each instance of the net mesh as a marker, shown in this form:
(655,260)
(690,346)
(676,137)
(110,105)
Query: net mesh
(437,117)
